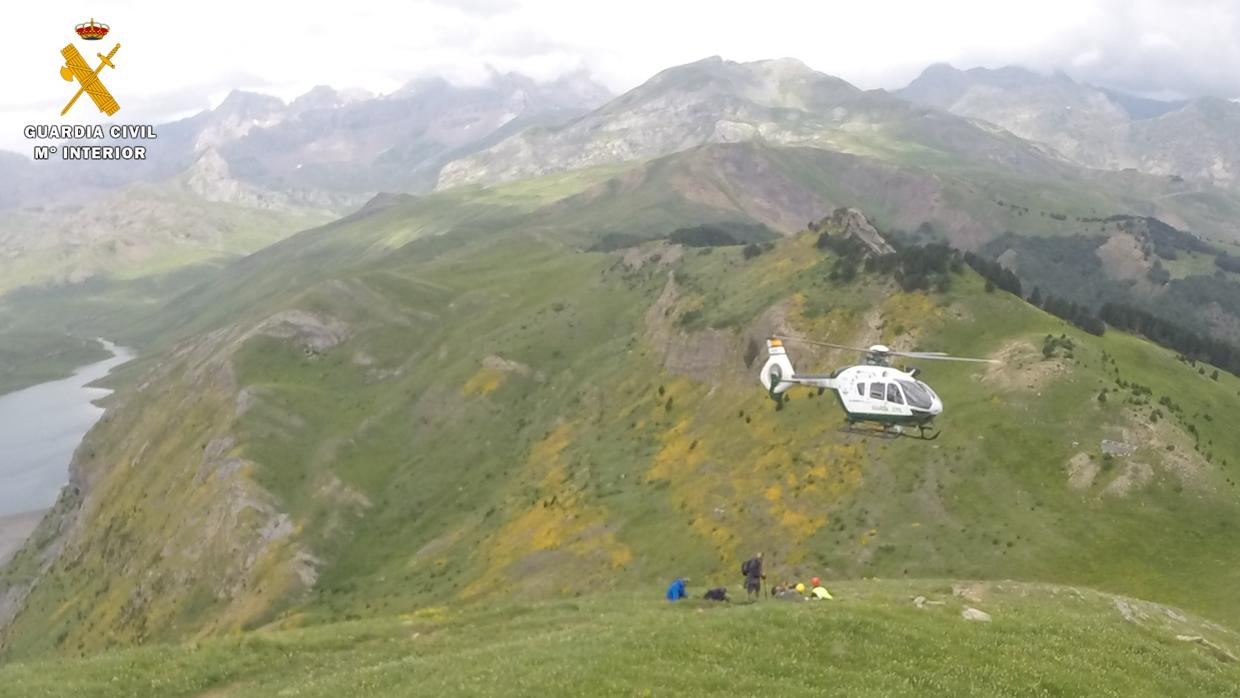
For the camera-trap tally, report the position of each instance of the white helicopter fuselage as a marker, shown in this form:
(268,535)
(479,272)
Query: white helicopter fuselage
(886,394)
(867,392)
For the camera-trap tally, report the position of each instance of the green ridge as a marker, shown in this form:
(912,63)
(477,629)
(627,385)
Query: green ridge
(870,641)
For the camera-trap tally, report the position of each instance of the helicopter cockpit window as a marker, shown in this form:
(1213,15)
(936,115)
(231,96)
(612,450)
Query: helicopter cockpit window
(917,394)
(861,389)
(877,391)
(893,394)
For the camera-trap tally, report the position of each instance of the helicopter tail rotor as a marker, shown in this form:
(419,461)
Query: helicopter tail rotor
(776,370)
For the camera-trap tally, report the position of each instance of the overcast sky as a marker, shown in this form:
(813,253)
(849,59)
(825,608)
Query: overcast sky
(178,58)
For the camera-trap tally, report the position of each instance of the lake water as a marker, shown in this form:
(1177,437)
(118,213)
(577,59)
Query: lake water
(39,429)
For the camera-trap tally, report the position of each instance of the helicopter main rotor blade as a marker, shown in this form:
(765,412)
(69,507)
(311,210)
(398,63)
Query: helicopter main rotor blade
(930,355)
(815,342)
(941,357)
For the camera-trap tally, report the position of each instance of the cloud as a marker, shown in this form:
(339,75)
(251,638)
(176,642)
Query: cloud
(1185,48)
(486,8)
(175,57)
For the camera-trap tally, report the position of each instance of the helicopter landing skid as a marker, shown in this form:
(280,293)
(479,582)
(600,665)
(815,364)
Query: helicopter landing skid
(925,432)
(878,431)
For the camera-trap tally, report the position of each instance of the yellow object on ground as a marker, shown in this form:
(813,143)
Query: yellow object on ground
(822,593)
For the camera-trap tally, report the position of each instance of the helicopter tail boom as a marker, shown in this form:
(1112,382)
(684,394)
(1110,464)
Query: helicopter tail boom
(778,376)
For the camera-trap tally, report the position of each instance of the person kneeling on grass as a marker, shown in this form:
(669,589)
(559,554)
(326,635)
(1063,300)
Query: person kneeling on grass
(676,591)
(791,593)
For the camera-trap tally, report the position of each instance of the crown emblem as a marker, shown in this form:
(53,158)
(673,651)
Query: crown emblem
(92,30)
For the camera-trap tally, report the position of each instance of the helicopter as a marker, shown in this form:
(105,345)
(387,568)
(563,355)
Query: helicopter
(871,393)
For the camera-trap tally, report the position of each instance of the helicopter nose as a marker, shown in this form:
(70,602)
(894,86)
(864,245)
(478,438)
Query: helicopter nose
(936,406)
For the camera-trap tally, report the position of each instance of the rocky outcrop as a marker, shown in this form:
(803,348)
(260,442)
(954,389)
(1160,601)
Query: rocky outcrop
(698,354)
(976,615)
(311,332)
(851,223)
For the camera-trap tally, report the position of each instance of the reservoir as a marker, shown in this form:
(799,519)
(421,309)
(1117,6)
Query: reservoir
(41,426)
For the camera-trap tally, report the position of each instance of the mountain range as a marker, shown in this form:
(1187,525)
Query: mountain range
(233,179)
(296,165)
(1196,139)
(781,102)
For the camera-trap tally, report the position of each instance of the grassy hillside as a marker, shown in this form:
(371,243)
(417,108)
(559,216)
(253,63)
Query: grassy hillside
(1135,262)
(494,415)
(445,415)
(463,438)
(785,187)
(871,641)
(781,187)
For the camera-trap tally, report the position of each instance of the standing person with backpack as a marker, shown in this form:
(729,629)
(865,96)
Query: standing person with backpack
(752,569)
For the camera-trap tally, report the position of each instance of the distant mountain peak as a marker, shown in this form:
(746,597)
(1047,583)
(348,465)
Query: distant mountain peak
(786,61)
(244,103)
(713,100)
(780,82)
(319,96)
(1013,74)
(327,97)
(420,85)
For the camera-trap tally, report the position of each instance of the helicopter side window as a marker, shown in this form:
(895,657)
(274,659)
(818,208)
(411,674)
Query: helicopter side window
(877,391)
(861,389)
(893,394)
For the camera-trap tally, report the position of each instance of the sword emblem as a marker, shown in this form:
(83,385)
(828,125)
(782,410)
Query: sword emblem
(88,80)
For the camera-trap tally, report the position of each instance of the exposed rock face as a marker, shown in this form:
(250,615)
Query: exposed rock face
(237,115)
(309,331)
(699,354)
(1116,448)
(709,101)
(342,143)
(780,102)
(211,178)
(1220,652)
(974,614)
(852,223)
